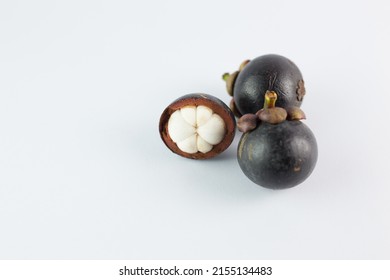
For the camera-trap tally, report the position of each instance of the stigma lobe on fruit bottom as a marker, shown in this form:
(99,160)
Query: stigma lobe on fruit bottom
(196,129)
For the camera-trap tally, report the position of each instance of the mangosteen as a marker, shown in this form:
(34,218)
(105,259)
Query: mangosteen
(268,72)
(277,150)
(197,126)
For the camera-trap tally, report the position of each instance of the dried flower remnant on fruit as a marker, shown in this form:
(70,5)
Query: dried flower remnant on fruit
(196,129)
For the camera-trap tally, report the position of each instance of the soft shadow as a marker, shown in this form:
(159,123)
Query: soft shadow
(229,154)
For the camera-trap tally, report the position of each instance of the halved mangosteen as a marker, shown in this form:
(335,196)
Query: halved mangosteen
(197,126)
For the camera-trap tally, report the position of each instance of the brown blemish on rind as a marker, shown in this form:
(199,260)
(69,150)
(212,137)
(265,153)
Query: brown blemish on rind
(297,166)
(250,152)
(216,105)
(301,91)
(242,142)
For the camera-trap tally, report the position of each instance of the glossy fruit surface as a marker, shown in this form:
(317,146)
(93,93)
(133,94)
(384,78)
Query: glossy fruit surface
(268,72)
(278,156)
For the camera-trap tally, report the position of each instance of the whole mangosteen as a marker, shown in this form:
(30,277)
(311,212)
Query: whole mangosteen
(268,72)
(277,150)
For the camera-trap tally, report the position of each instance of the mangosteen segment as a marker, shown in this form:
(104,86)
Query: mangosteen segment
(197,126)
(196,129)
(212,130)
(179,128)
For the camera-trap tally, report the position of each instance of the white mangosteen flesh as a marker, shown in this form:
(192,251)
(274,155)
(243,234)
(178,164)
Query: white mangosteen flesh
(196,129)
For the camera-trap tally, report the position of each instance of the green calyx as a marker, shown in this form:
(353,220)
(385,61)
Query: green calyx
(225,76)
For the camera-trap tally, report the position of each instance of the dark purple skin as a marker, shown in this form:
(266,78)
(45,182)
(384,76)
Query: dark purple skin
(268,72)
(278,156)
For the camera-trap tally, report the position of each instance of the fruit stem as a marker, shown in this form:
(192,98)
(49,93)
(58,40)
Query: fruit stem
(270,99)
(225,76)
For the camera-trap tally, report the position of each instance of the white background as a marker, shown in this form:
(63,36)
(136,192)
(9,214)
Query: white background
(84,174)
